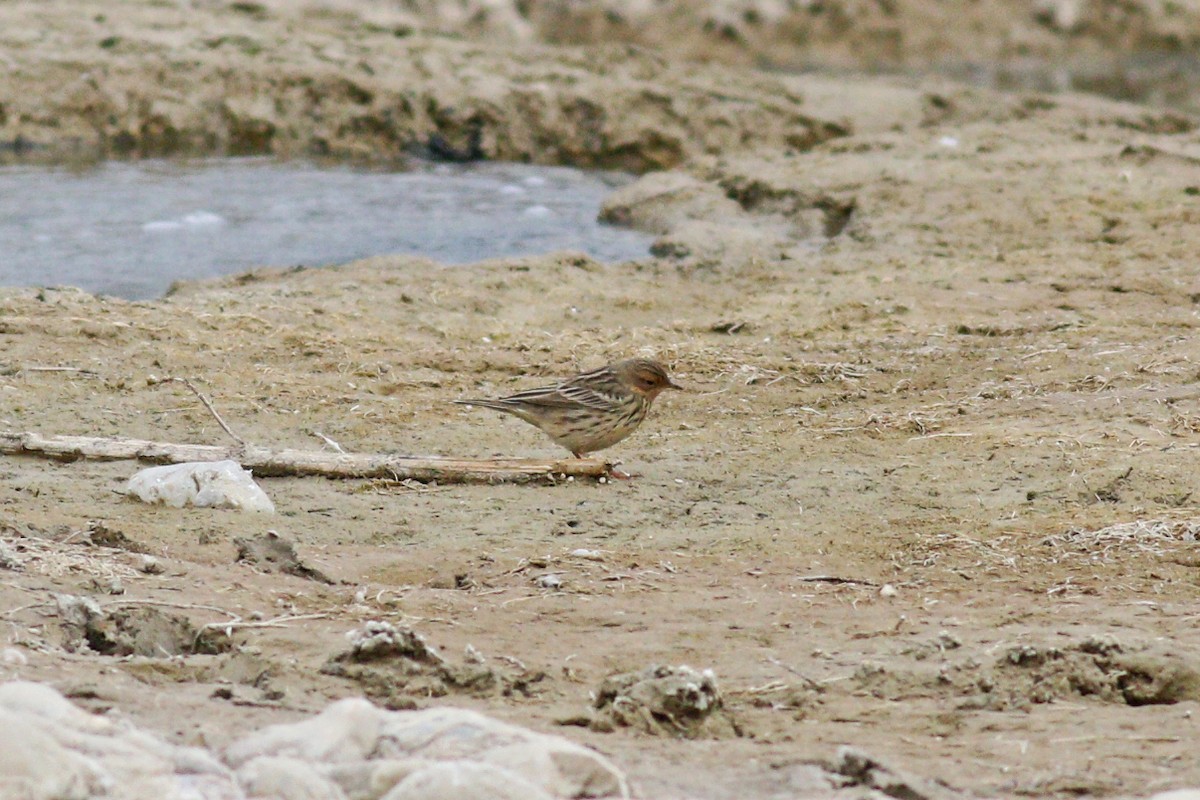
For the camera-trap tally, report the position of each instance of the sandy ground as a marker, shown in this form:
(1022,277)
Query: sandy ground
(931,492)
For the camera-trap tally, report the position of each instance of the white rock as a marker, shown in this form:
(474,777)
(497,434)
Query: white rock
(559,766)
(212,484)
(286,779)
(465,780)
(370,780)
(369,751)
(550,581)
(34,765)
(563,771)
(347,730)
(51,749)
(12,657)
(1064,16)
(1178,794)
(42,703)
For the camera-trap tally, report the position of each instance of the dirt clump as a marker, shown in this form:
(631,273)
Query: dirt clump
(270,552)
(1098,667)
(138,630)
(396,667)
(661,700)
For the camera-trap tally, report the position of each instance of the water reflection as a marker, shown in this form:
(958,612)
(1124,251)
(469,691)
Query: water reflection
(131,229)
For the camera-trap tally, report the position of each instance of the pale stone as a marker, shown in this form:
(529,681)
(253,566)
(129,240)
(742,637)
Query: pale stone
(286,779)
(347,730)
(370,780)
(49,748)
(562,768)
(52,750)
(43,701)
(12,657)
(558,765)
(34,765)
(465,780)
(444,733)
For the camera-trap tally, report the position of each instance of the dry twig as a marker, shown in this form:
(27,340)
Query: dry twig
(274,463)
(208,405)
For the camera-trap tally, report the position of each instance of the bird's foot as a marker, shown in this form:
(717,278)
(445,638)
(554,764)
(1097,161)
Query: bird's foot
(621,475)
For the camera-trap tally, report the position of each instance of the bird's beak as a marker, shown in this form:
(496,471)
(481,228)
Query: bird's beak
(673,385)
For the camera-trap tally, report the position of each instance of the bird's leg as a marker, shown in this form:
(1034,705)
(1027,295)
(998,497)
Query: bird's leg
(613,472)
(621,475)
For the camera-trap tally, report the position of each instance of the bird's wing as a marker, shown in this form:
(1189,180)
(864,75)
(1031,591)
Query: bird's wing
(589,390)
(554,397)
(589,396)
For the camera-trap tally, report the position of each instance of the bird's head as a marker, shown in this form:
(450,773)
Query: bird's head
(644,376)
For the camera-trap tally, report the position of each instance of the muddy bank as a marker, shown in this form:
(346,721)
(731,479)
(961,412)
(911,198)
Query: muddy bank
(144,80)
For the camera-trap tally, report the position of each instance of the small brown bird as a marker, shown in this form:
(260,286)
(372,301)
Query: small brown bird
(592,410)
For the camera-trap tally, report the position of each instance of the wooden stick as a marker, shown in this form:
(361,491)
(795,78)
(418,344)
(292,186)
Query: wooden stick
(207,405)
(274,463)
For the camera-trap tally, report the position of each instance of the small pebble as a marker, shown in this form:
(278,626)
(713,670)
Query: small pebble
(887,590)
(550,581)
(150,566)
(948,641)
(12,657)
(590,555)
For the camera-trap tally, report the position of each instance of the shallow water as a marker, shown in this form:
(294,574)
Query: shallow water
(131,229)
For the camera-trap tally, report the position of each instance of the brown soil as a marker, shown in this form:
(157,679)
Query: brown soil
(931,492)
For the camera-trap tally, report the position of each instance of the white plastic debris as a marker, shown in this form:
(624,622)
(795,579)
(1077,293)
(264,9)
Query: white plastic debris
(211,484)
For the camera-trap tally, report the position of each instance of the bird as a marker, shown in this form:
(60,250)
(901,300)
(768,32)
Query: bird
(592,410)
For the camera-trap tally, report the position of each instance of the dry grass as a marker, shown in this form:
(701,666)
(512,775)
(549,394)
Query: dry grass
(56,559)
(1155,537)
(988,554)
